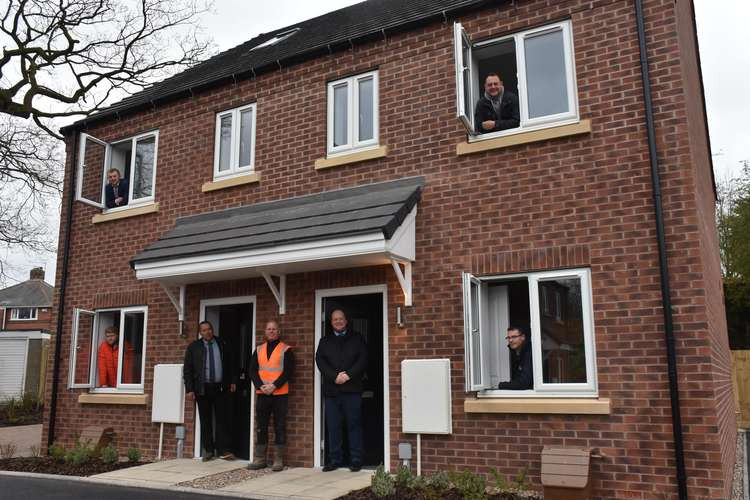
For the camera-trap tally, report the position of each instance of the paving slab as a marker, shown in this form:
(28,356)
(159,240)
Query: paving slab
(302,484)
(25,437)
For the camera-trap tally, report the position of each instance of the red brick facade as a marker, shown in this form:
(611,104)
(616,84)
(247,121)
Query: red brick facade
(582,201)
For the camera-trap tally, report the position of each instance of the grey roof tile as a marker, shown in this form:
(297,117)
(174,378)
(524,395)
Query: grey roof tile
(30,293)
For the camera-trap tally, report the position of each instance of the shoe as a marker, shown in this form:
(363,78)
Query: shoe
(259,458)
(278,458)
(228,456)
(330,467)
(355,467)
(208,456)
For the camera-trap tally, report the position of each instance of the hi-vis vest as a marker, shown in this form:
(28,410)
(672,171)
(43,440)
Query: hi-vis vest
(270,369)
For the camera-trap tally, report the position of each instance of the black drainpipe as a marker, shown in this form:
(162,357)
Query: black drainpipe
(61,301)
(666,300)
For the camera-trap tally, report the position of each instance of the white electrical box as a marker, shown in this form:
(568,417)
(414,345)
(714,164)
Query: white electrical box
(426,396)
(168,401)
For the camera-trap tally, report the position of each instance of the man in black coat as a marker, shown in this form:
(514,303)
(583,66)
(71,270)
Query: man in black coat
(342,361)
(522,366)
(116,191)
(497,109)
(209,377)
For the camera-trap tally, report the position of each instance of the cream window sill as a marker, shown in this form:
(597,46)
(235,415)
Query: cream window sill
(113,399)
(335,161)
(128,212)
(582,127)
(231,182)
(559,406)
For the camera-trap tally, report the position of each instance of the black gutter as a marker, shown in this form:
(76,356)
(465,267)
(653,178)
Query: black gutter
(666,300)
(61,301)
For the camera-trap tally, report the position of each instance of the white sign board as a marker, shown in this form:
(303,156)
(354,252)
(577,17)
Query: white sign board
(426,396)
(168,402)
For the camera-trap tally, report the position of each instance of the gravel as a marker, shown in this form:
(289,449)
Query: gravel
(738,479)
(222,479)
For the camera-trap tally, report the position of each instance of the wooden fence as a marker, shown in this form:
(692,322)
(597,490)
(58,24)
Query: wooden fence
(741,379)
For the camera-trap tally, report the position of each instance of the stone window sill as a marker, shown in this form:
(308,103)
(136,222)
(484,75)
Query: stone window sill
(582,127)
(231,182)
(113,399)
(335,161)
(123,214)
(559,406)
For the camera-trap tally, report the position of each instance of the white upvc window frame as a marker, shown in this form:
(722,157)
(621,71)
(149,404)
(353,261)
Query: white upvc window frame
(466,116)
(353,144)
(96,339)
(541,389)
(14,316)
(235,169)
(146,200)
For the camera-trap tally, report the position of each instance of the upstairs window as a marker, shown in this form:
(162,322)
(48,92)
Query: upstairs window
(23,313)
(353,113)
(535,66)
(115,175)
(234,150)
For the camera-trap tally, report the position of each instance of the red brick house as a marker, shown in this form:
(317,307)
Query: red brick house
(336,163)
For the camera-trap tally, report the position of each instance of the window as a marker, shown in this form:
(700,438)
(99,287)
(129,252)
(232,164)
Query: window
(134,161)
(108,349)
(555,310)
(23,313)
(353,113)
(536,65)
(234,150)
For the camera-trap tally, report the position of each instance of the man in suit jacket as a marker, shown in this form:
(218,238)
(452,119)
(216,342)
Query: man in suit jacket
(209,377)
(116,192)
(497,109)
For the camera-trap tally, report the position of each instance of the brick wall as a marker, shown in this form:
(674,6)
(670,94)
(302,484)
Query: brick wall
(580,201)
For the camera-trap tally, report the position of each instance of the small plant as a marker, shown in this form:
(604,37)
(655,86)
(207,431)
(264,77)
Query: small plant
(56,451)
(382,483)
(440,481)
(7,450)
(109,454)
(79,454)
(404,478)
(134,455)
(471,486)
(522,480)
(501,482)
(35,451)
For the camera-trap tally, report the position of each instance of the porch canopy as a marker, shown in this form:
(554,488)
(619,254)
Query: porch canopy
(362,226)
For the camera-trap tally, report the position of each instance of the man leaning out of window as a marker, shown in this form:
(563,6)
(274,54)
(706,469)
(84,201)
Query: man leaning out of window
(522,370)
(497,109)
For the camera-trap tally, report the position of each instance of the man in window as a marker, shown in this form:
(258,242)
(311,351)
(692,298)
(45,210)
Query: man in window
(107,359)
(116,192)
(208,373)
(497,109)
(522,370)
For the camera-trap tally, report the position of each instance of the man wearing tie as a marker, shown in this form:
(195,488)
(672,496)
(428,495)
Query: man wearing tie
(116,192)
(209,376)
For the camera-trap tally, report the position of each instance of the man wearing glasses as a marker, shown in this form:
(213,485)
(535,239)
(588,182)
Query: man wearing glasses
(522,370)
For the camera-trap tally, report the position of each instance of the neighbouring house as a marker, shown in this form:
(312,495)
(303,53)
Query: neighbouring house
(336,163)
(26,310)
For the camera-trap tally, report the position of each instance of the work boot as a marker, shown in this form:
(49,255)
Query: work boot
(259,459)
(278,458)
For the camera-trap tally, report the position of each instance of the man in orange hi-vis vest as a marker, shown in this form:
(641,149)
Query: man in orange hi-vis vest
(271,367)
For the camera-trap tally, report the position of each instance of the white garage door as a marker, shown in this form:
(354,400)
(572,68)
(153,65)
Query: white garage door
(12,367)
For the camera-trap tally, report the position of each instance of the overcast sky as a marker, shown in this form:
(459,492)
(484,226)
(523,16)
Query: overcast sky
(725,59)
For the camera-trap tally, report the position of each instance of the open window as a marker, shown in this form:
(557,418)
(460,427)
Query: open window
(554,309)
(80,348)
(134,160)
(537,66)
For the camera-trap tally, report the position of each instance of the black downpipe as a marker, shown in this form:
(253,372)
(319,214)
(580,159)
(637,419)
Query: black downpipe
(666,298)
(61,301)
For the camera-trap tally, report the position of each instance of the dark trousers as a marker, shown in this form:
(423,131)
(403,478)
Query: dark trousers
(346,408)
(214,403)
(265,406)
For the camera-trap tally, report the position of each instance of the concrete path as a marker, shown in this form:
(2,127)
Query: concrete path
(23,436)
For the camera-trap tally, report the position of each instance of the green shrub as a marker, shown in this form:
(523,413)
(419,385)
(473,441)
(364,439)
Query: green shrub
(56,451)
(109,454)
(522,480)
(79,454)
(134,455)
(472,486)
(382,483)
(404,477)
(501,482)
(440,481)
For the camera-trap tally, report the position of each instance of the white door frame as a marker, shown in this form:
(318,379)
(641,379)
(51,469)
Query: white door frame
(226,301)
(335,292)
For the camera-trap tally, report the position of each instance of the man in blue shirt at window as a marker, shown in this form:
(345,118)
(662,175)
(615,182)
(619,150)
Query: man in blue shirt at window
(497,109)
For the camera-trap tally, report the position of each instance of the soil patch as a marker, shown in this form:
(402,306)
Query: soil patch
(432,494)
(49,465)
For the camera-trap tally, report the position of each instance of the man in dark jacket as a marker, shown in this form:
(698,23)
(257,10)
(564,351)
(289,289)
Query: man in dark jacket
(522,369)
(497,109)
(342,361)
(209,377)
(116,191)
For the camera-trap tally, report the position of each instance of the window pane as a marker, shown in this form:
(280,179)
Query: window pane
(132,354)
(340,112)
(466,73)
(563,345)
(225,143)
(476,361)
(546,81)
(82,348)
(366,110)
(246,137)
(107,340)
(92,173)
(144,167)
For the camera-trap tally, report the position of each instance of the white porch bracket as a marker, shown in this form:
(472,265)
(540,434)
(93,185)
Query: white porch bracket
(278,292)
(404,278)
(177,302)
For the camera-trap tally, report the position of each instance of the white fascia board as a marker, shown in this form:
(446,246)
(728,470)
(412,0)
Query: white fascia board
(24,334)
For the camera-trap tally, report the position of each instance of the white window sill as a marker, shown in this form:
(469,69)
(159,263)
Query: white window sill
(236,180)
(538,405)
(125,212)
(354,157)
(113,399)
(480,144)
